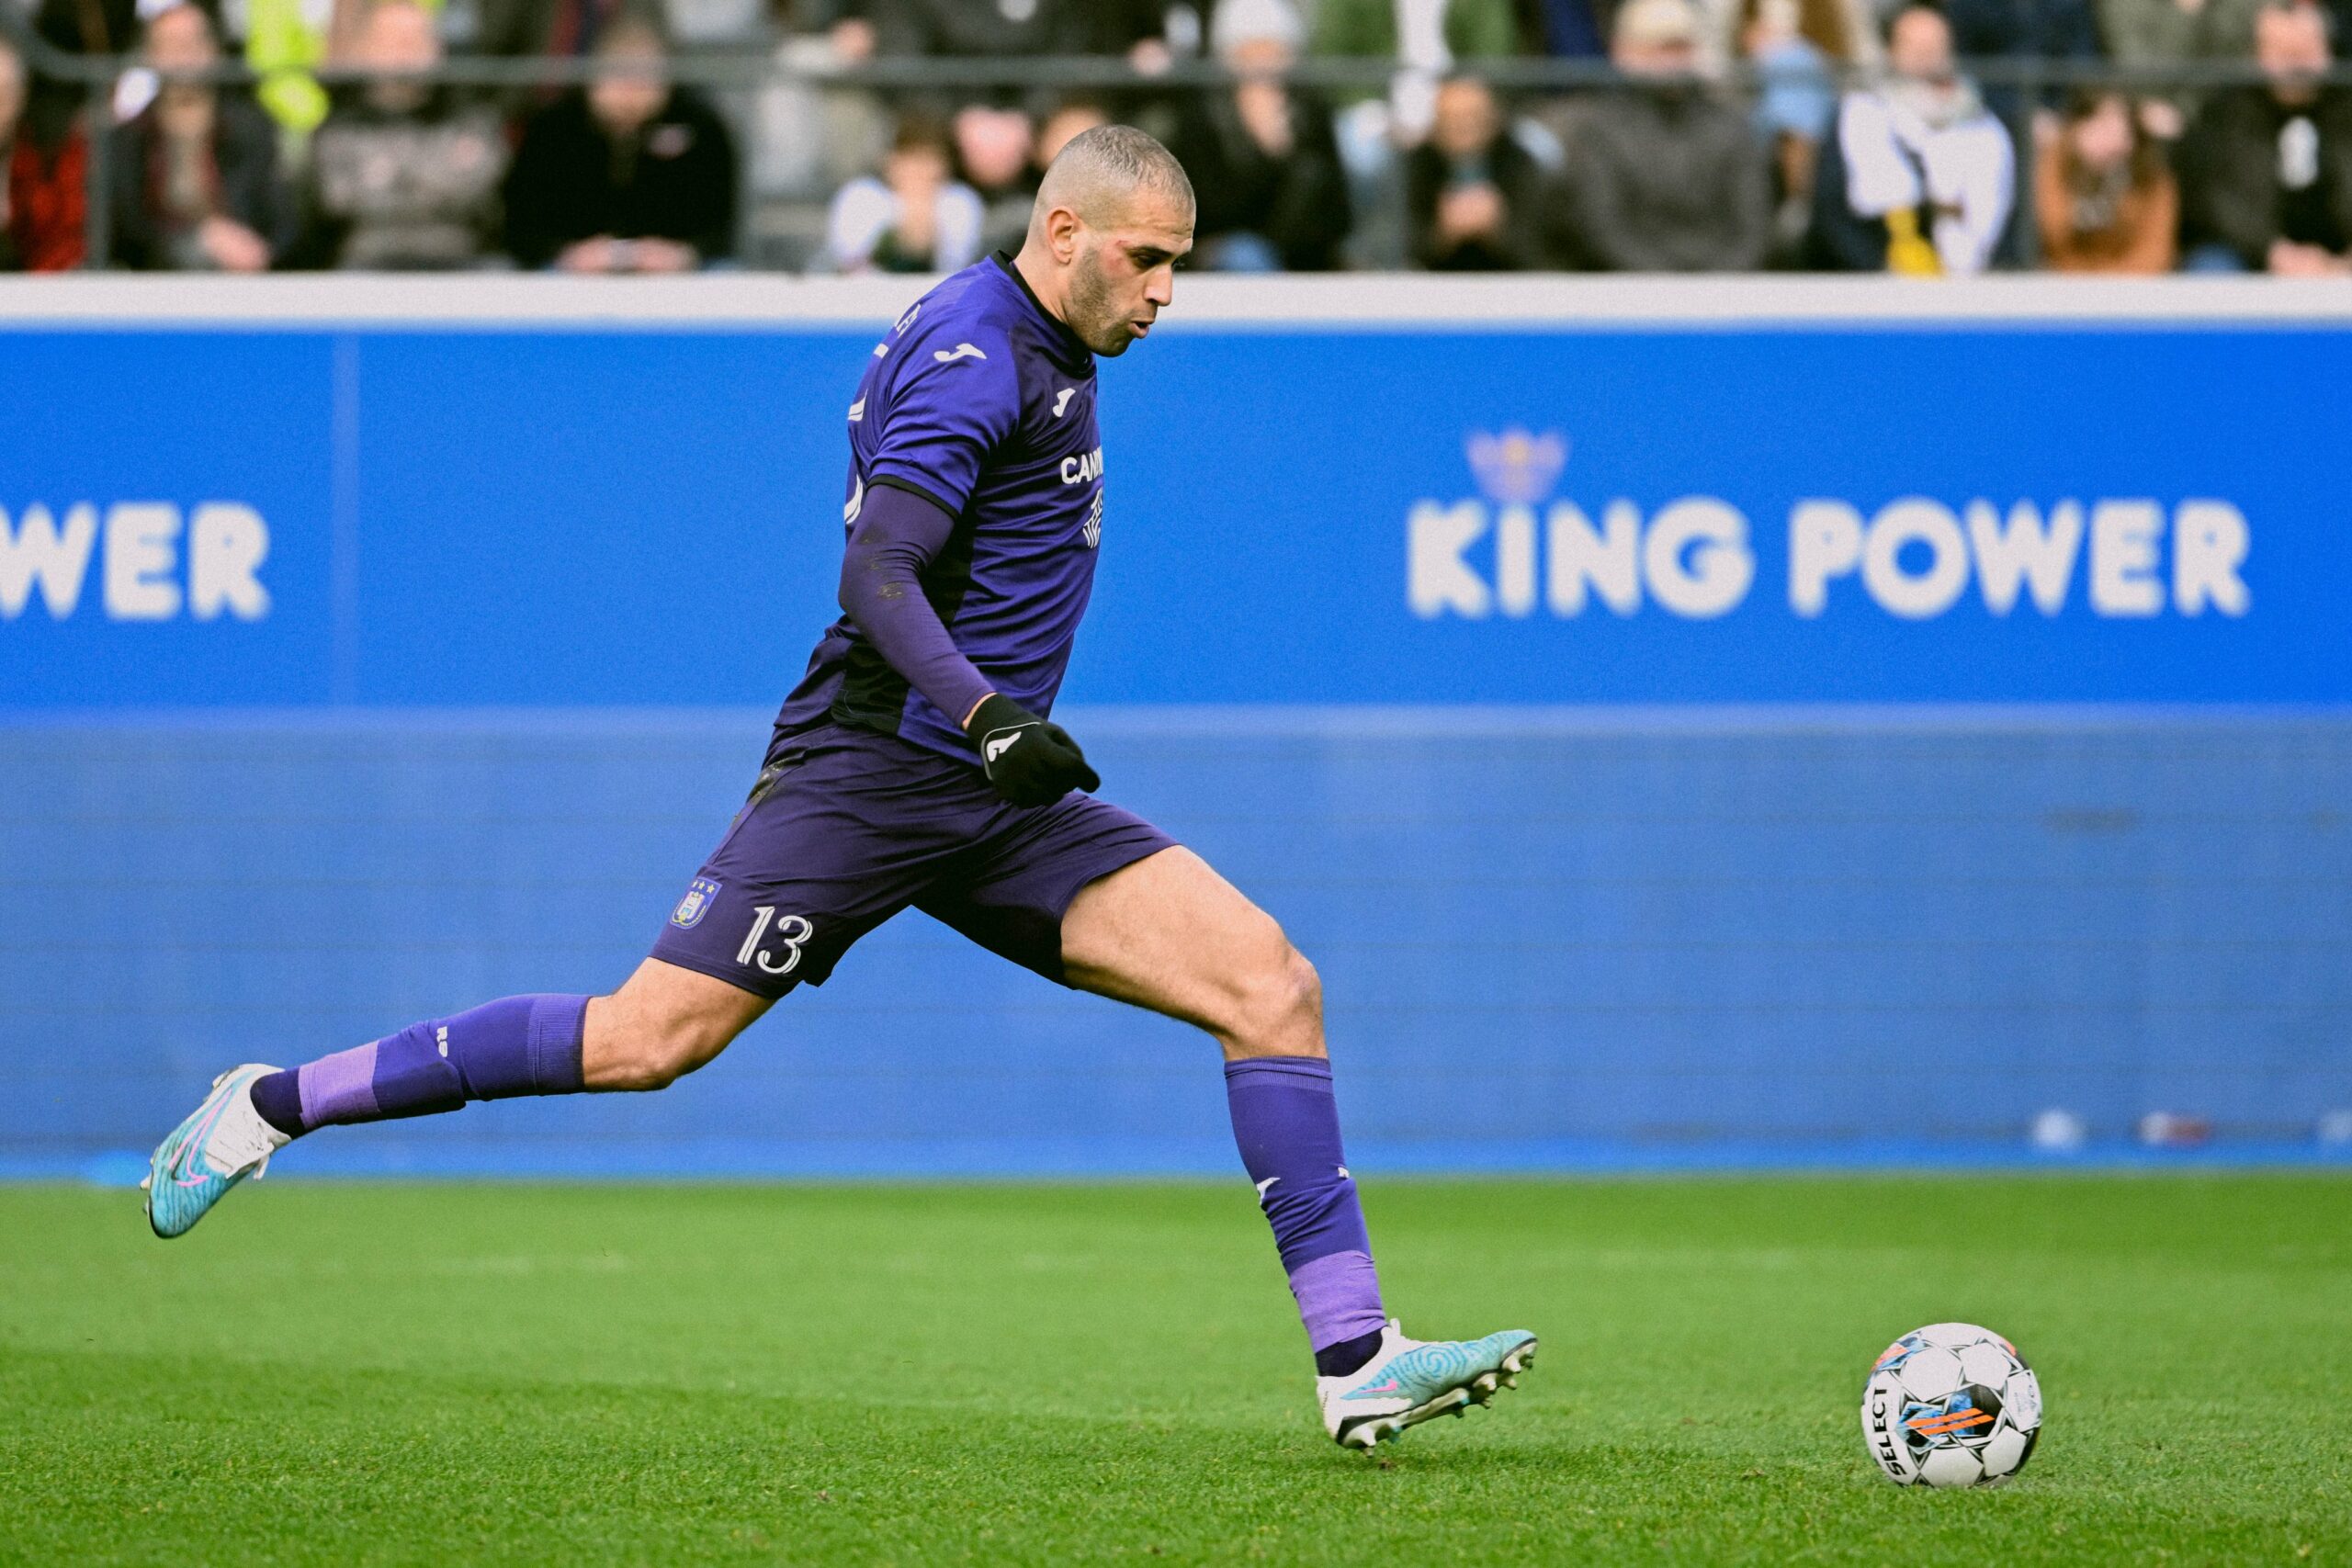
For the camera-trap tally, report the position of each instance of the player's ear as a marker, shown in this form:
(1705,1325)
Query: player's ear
(1062,231)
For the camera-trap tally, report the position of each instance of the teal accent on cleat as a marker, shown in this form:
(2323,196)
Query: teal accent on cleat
(1407,1381)
(223,1141)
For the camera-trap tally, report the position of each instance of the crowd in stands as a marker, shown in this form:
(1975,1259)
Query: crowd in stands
(1709,136)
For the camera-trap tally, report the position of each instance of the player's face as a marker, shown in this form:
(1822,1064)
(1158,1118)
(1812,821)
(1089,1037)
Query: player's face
(1125,273)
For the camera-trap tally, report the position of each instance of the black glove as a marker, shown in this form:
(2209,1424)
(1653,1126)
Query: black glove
(1031,761)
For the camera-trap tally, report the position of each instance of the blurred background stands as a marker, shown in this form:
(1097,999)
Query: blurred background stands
(840,135)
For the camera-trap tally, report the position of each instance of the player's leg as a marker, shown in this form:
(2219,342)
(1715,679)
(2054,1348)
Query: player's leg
(1168,933)
(1092,895)
(664,1021)
(809,864)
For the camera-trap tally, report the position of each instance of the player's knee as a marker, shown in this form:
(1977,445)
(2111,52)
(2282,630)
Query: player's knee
(655,1060)
(1305,1011)
(640,1067)
(643,1049)
(1279,1002)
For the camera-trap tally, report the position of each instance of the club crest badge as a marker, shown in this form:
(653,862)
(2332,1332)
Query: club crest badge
(1517,467)
(691,909)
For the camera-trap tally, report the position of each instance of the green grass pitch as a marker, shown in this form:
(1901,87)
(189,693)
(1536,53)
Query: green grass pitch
(439,1374)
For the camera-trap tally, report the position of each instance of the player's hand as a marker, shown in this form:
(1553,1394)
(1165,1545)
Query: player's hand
(1031,761)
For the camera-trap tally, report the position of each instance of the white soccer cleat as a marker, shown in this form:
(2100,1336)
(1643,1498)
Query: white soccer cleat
(223,1141)
(1408,1381)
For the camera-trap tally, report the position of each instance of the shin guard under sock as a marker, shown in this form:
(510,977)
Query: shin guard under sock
(516,1046)
(1287,1126)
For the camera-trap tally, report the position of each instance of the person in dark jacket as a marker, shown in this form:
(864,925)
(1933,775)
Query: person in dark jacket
(1272,193)
(194,183)
(2267,171)
(632,174)
(1472,192)
(1664,178)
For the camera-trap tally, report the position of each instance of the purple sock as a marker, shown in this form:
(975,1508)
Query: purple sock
(1287,1125)
(513,1046)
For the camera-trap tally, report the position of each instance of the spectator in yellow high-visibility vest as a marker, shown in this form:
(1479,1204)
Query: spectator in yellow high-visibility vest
(287,39)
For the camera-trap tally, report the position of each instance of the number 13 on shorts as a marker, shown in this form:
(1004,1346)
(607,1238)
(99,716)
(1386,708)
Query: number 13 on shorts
(791,933)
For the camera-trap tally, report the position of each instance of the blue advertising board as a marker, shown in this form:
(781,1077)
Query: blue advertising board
(1874,512)
(1677,742)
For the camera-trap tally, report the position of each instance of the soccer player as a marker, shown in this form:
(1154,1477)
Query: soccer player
(915,764)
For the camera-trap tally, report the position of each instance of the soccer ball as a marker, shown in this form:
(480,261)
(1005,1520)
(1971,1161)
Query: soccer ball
(1951,1404)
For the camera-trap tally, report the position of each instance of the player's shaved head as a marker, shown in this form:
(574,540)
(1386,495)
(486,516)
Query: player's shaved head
(1113,215)
(1099,173)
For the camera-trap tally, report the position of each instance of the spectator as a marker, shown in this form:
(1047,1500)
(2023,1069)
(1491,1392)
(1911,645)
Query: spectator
(2267,172)
(1150,33)
(916,218)
(1844,31)
(1272,193)
(2150,34)
(1796,101)
(402,176)
(631,175)
(993,134)
(12,112)
(1071,117)
(283,43)
(844,25)
(1664,178)
(96,28)
(88,27)
(44,180)
(1470,189)
(194,177)
(809,136)
(1426,37)
(1920,179)
(285,40)
(1427,34)
(49,162)
(2104,195)
(992,146)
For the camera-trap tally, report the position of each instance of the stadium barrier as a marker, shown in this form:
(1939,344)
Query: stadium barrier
(1756,721)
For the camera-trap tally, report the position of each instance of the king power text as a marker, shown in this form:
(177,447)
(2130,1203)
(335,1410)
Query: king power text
(1914,557)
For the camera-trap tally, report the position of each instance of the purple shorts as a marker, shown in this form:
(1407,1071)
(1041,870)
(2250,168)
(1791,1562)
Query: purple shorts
(847,828)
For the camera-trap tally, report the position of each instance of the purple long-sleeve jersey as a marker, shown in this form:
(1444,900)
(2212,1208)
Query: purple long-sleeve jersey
(984,403)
